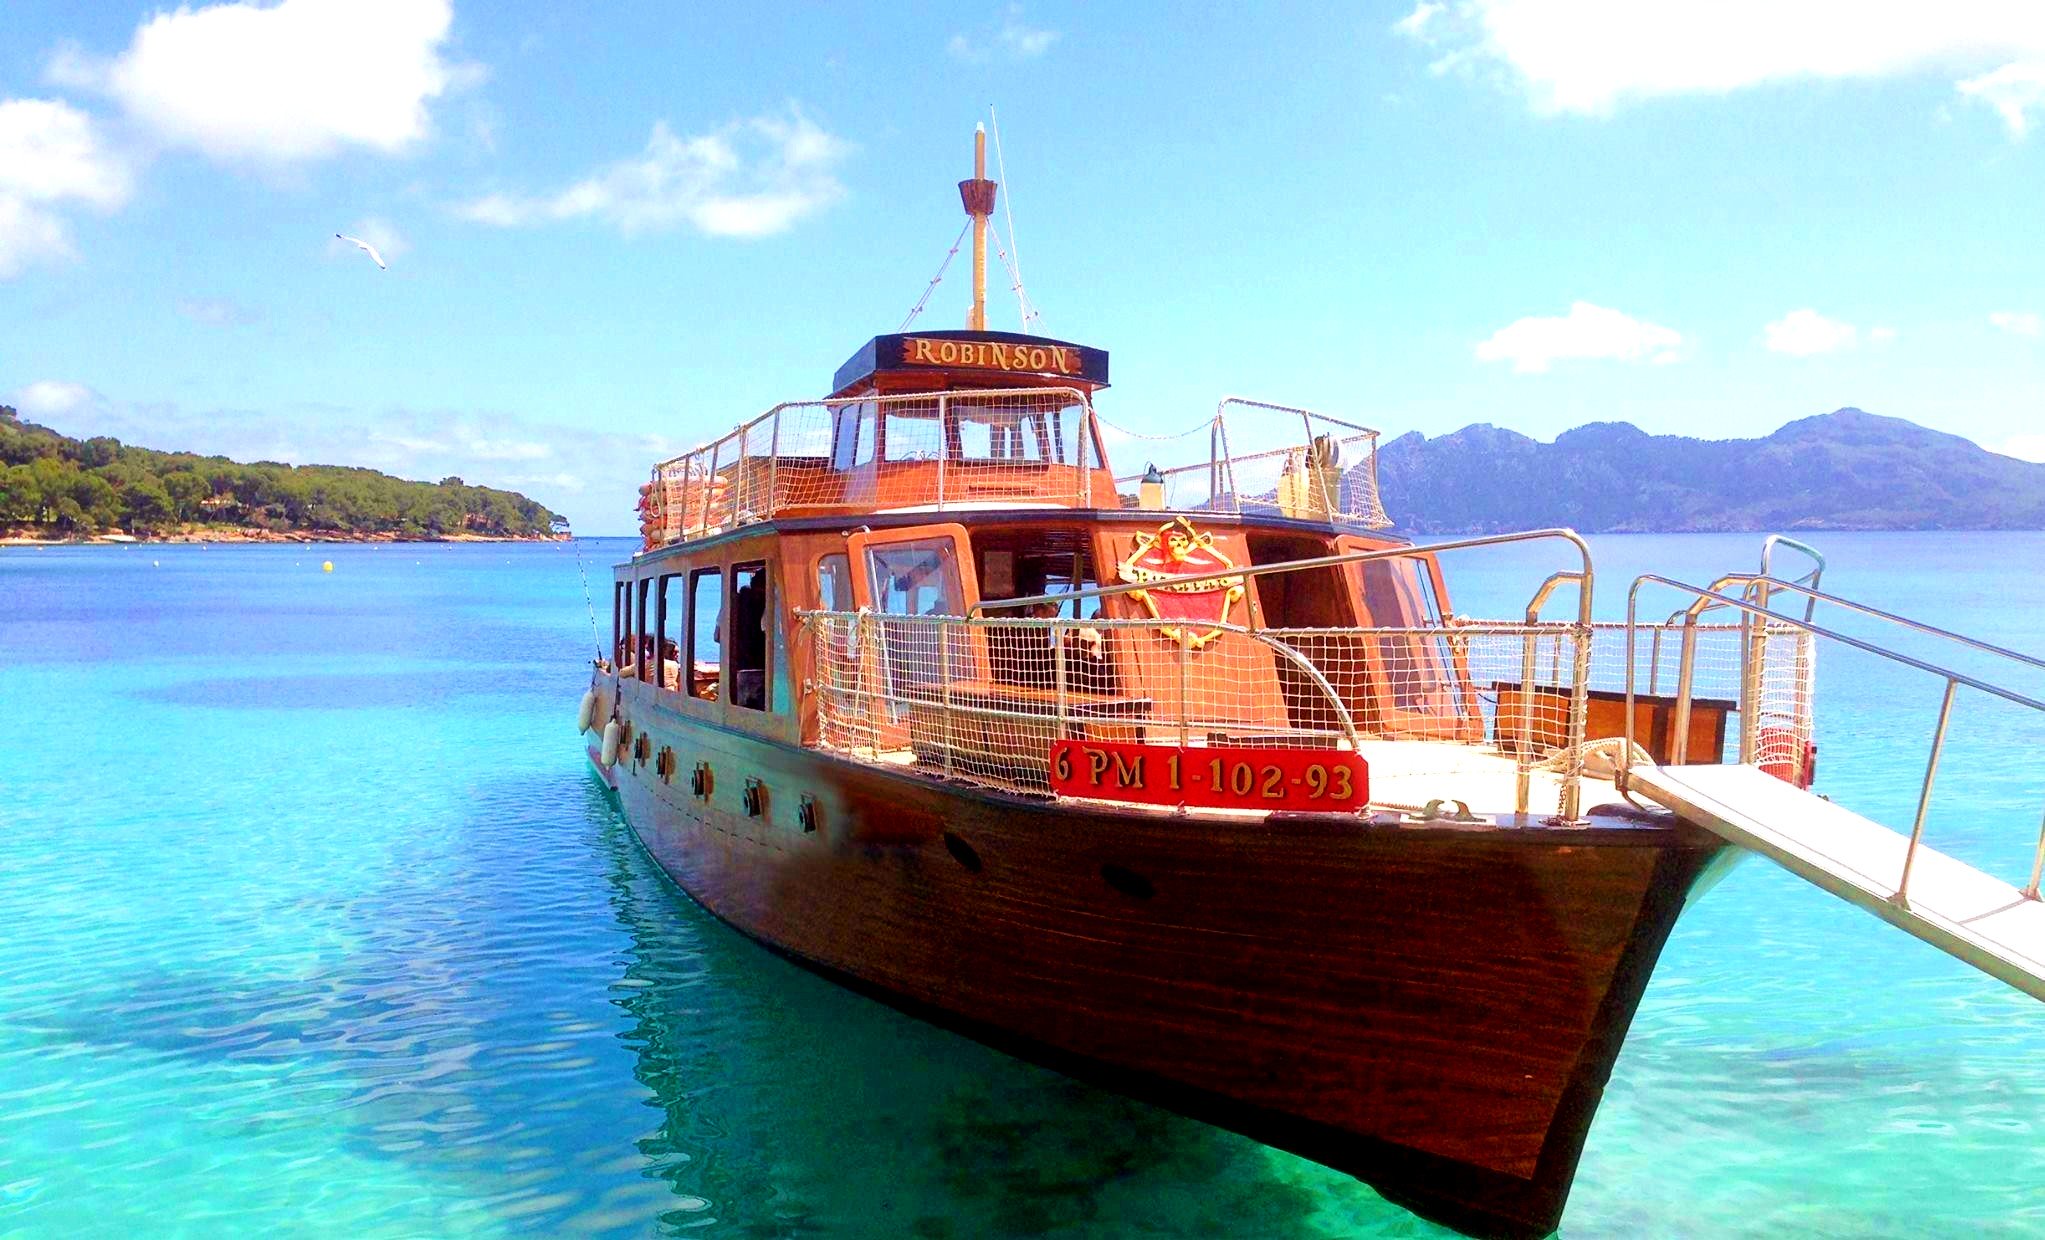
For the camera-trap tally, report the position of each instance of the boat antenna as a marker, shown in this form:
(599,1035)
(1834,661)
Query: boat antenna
(1014,256)
(978,197)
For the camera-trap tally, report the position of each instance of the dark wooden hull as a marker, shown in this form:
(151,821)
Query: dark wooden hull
(1432,1009)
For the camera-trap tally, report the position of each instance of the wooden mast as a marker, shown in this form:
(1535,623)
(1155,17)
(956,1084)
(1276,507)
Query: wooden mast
(978,197)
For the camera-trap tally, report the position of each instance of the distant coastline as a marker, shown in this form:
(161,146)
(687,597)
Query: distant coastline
(57,489)
(253,536)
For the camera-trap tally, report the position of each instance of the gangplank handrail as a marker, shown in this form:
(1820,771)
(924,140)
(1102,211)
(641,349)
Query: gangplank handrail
(1758,612)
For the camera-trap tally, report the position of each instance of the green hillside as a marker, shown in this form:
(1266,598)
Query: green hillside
(54,486)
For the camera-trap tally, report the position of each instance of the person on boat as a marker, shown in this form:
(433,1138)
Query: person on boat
(749,646)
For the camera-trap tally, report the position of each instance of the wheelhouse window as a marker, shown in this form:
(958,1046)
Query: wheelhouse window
(912,433)
(852,434)
(706,633)
(746,636)
(980,434)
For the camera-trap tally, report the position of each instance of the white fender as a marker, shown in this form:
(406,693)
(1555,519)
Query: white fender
(612,735)
(585,714)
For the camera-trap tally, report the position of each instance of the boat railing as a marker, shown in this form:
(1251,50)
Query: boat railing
(936,450)
(982,700)
(1750,595)
(1321,469)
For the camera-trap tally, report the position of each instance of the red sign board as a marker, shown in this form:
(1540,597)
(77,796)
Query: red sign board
(1215,777)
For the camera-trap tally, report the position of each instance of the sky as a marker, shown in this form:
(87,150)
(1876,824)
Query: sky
(613,233)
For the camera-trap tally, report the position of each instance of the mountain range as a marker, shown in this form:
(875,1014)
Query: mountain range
(1845,470)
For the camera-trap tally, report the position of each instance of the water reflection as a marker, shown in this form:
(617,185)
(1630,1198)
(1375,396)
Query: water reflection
(789,1105)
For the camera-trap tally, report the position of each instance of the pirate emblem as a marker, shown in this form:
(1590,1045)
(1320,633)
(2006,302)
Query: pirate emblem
(1174,566)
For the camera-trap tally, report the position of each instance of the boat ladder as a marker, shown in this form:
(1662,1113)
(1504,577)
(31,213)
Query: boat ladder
(1974,916)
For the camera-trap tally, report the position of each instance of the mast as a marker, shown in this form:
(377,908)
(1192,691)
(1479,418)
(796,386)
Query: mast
(978,197)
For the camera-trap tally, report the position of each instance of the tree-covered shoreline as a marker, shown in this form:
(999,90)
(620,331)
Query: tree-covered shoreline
(54,486)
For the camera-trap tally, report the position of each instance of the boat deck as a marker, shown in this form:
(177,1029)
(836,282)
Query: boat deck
(1971,915)
(1407,774)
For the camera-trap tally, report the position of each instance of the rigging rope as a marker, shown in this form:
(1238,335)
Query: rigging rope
(1008,210)
(1022,299)
(934,280)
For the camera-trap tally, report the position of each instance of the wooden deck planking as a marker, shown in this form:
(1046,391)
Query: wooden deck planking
(1971,915)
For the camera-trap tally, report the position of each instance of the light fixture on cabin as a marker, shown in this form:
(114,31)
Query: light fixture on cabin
(1150,494)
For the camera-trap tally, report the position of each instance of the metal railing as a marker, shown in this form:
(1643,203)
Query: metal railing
(1304,479)
(932,449)
(1756,589)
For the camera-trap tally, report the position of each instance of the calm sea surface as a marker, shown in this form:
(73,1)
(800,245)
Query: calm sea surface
(312,922)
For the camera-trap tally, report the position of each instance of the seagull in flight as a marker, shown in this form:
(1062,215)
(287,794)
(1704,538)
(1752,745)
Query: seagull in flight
(366,248)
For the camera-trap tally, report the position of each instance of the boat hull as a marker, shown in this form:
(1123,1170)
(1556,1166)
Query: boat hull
(1434,1009)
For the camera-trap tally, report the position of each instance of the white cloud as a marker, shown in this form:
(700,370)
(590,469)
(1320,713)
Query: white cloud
(29,235)
(2018,322)
(1587,332)
(1803,333)
(1013,38)
(53,398)
(1589,56)
(749,179)
(216,312)
(1415,23)
(51,154)
(302,79)
(2015,90)
(1882,335)
(2022,447)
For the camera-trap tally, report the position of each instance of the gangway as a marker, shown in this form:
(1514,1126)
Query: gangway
(1971,915)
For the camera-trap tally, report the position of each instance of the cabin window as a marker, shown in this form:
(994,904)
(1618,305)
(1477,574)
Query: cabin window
(706,633)
(665,628)
(642,647)
(1024,656)
(834,583)
(621,625)
(1397,595)
(746,636)
(919,578)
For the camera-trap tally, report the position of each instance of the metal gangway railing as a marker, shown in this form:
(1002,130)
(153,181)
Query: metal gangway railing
(1991,924)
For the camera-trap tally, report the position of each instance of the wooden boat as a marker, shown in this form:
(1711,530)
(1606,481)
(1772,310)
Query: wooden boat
(1188,781)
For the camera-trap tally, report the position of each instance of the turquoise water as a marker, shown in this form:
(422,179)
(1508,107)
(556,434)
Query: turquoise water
(313,923)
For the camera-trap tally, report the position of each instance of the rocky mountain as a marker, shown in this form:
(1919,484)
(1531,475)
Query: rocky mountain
(1846,470)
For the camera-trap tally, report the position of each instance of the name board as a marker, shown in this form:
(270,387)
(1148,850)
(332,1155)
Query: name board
(1058,361)
(1055,359)
(1213,776)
